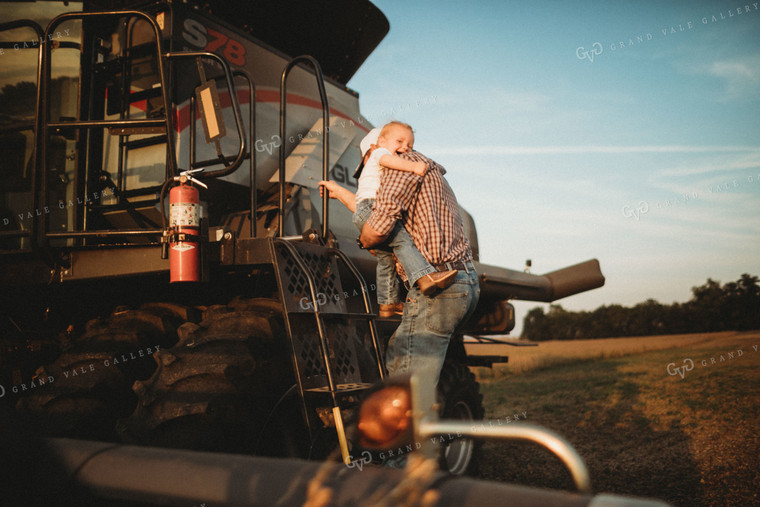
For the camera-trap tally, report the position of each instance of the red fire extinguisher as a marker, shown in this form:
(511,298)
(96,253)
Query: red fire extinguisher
(184,237)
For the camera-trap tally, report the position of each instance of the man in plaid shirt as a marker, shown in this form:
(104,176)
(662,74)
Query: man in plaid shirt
(428,209)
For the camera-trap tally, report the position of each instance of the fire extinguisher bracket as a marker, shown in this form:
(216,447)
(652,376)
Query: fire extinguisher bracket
(180,237)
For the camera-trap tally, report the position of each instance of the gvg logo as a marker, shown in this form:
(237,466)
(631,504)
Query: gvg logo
(306,304)
(642,208)
(589,54)
(268,147)
(688,365)
(359,463)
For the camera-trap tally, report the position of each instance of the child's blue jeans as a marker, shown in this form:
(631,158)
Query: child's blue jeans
(401,244)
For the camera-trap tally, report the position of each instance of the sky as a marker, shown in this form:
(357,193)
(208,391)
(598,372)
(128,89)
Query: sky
(624,131)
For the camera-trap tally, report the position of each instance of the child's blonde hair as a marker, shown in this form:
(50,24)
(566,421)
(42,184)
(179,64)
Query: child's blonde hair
(394,123)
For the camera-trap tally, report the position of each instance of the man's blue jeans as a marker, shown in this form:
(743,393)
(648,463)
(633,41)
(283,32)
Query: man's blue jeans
(421,340)
(399,242)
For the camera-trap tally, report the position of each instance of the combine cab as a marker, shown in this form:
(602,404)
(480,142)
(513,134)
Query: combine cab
(170,275)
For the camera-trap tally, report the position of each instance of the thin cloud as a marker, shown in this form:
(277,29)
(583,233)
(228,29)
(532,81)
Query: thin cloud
(750,161)
(740,76)
(741,172)
(734,70)
(582,150)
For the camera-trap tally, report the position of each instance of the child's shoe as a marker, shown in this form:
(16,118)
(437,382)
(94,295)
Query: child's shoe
(391,310)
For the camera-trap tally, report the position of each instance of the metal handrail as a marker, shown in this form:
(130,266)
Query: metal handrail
(235,109)
(427,424)
(251,141)
(325,137)
(40,151)
(12,25)
(42,98)
(222,160)
(106,233)
(518,431)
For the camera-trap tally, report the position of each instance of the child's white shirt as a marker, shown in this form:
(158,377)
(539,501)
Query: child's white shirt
(369,181)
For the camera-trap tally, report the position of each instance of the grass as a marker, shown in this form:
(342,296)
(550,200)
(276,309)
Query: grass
(556,353)
(642,431)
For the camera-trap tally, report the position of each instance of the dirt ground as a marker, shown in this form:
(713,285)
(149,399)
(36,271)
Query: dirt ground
(679,424)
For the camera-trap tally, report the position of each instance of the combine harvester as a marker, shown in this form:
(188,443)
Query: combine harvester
(171,278)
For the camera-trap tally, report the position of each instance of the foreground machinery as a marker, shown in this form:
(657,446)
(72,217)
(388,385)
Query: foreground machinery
(170,275)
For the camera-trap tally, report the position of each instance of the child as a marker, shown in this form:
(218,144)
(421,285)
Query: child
(394,138)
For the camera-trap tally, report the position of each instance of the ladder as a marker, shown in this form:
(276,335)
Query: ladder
(331,328)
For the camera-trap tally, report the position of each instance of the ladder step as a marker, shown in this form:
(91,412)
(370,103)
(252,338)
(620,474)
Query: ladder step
(341,388)
(347,315)
(144,143)
(133,131)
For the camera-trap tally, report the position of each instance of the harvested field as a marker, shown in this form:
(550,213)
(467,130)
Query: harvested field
(672,417)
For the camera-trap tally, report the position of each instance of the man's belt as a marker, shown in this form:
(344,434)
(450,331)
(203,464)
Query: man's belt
(457,265)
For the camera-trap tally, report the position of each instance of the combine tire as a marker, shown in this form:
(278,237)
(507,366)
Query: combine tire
(87,389)
(215,389)
(460,399)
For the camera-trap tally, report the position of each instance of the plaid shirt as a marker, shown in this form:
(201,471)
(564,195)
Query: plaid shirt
(431,215)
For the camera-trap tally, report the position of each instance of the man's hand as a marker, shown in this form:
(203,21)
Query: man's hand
(370,238)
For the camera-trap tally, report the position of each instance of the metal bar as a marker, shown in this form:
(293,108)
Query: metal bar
(106,233)
(252,151)
(325,137)
(39,186)
(124,105)
(106,123)
(519,431)
(192,131)
(20,23)
(192,118)
(494,341)
(247,154)
(28,23)
(167,120)
(251,142)
(15,44)
(235,109)
(144,143)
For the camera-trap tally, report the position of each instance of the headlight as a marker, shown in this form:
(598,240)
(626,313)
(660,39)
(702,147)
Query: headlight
(385,418)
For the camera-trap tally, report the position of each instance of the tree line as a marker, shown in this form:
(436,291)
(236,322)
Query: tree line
(732,306)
